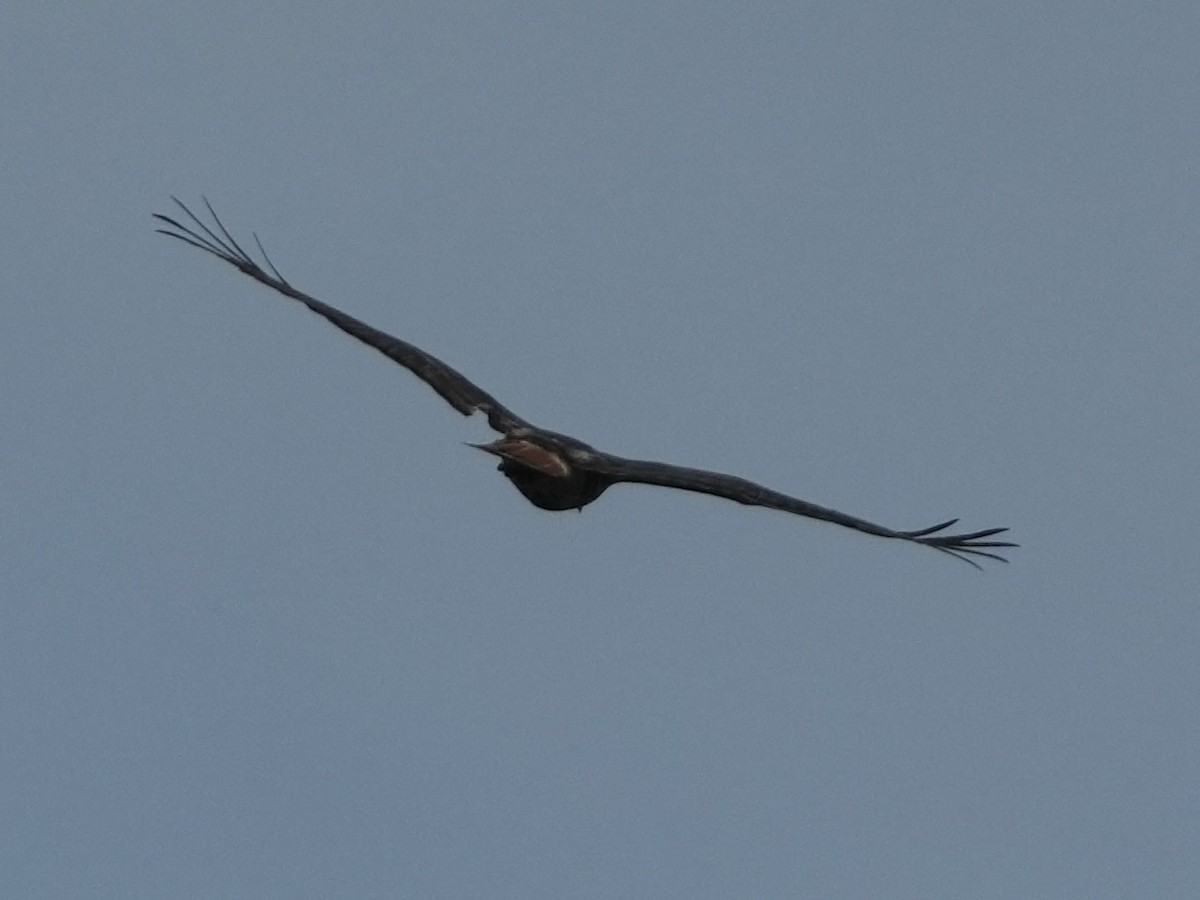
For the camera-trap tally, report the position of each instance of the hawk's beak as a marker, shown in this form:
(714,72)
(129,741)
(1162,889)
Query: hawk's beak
(492,448)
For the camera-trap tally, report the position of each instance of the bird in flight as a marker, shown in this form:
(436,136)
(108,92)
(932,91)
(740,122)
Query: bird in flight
(554,471)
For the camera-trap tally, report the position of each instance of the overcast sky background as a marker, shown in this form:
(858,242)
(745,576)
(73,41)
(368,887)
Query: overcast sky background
(270,630)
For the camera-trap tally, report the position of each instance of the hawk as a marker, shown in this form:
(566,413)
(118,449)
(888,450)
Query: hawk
(555,471)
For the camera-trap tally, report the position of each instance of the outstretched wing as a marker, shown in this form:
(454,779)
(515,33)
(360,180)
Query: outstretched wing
(453,387)
(617,469)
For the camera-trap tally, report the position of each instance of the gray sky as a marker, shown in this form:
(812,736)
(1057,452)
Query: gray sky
(270,630)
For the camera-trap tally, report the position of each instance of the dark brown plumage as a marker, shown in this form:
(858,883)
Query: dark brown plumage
(554,471)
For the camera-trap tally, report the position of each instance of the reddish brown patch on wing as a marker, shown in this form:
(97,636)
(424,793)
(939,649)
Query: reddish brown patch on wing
(535,457)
